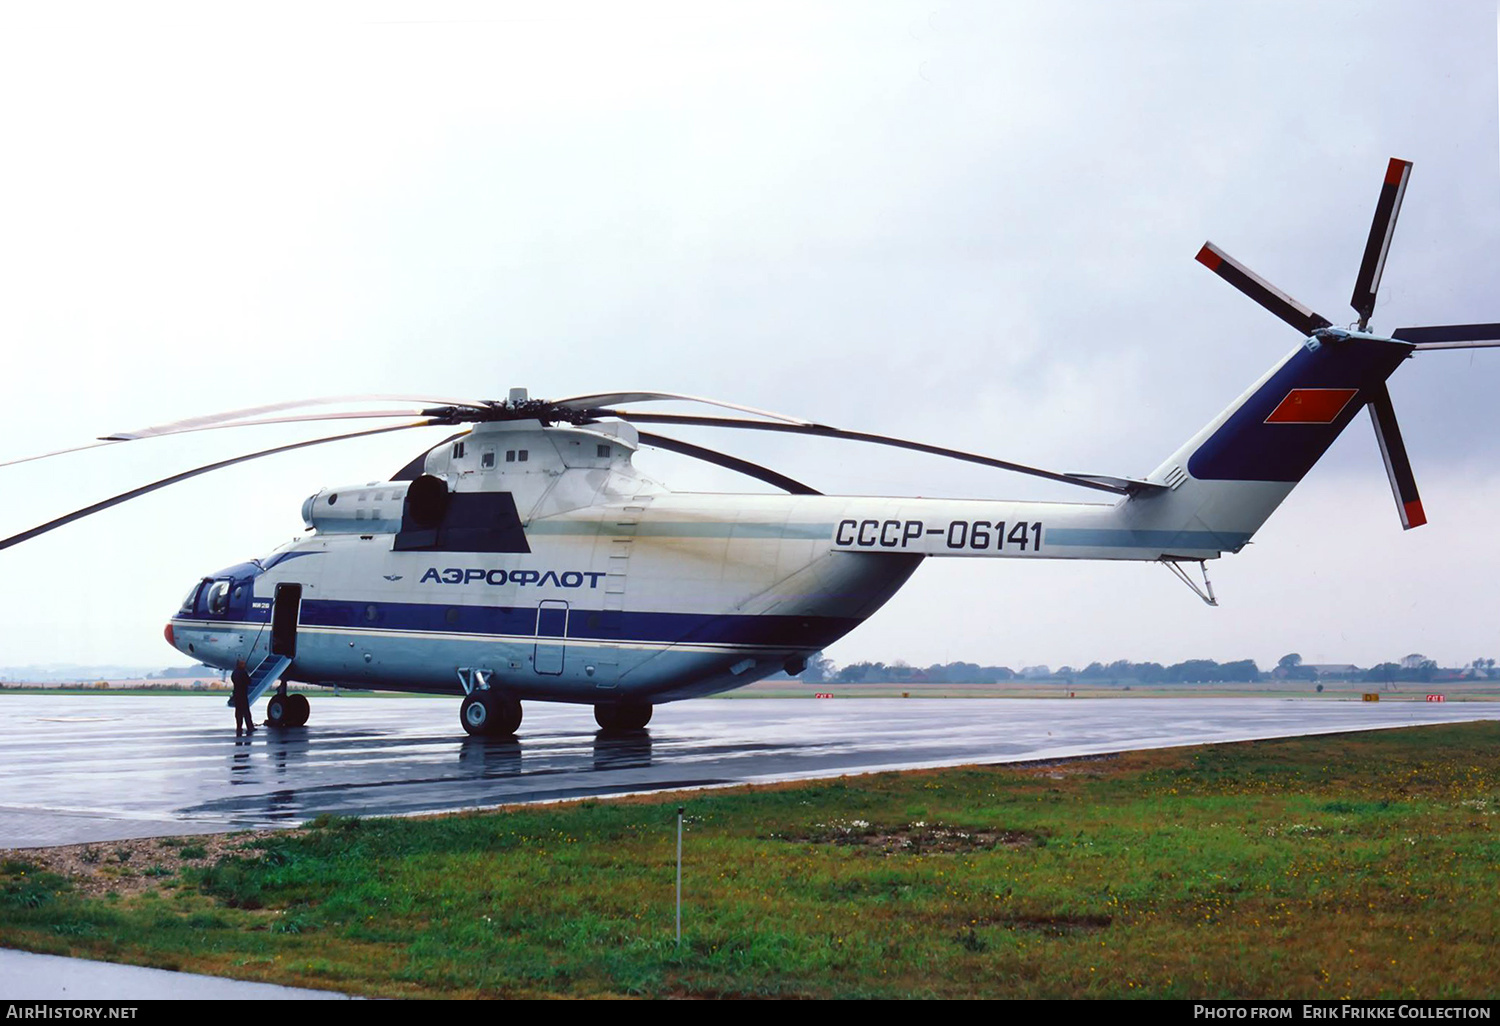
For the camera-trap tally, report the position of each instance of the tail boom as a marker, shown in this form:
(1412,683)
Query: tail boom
(1208,498)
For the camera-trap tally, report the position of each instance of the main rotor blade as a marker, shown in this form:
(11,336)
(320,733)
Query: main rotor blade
(823,431)
(1301,317)
(584,402)
(1397,464)
(1450,336)
(1382,228)
(134,493)
(299,419)
(745,467)
(164,430)
(223,419)
(58,452)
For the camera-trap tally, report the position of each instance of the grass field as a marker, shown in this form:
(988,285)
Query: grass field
(1355,865)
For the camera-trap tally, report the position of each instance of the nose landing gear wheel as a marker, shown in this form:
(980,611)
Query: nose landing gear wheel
(622,716)
(486,713)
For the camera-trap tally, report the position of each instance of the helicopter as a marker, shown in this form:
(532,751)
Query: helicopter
(526,558)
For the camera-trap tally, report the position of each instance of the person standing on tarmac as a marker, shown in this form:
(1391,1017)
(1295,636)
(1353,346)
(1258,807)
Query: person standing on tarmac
(241,699)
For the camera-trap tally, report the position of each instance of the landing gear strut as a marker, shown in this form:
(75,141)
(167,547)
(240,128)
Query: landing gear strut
(616,717)
(487,712)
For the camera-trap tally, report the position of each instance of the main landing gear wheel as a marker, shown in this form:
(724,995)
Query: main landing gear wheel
(490,714)
(299,708)
(287,710)
(622,716)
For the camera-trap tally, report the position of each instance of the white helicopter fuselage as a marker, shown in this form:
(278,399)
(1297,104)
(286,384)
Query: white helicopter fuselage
(536,562)
(625,590)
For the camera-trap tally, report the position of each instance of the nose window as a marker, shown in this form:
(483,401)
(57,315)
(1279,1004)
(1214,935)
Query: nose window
(218,597)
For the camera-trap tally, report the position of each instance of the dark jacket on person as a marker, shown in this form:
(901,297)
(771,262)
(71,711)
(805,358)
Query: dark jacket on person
(241,680)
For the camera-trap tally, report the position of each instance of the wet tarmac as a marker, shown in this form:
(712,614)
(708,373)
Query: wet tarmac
(85,768)
(25,976)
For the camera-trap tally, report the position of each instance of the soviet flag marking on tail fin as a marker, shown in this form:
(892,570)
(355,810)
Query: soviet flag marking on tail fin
(1312,406)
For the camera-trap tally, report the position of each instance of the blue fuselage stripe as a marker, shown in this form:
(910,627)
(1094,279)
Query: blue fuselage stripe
(1114,538)
(791,632)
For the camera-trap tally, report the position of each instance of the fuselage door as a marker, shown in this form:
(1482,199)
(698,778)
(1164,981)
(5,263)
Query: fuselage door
(284,610)
(551,622)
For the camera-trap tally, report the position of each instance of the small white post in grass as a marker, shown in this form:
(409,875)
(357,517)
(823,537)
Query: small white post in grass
(679,876)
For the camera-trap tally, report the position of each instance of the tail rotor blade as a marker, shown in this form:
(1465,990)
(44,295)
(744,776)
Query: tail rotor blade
(1451,336)
(1397,465)
(1382,228)
(1301,317)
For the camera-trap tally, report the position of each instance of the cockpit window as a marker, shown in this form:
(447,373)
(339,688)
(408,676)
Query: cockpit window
(218,597)
(192,598)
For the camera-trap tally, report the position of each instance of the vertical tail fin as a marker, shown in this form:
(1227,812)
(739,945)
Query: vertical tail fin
(1230,477)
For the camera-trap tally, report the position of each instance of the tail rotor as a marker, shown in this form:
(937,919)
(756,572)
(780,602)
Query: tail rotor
(1366,287)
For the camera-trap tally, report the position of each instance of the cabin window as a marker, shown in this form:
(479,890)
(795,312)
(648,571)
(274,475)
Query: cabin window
(458,450)
(371,613)
(487,460)
(521,456)
(218,597)
(510,455)
(604,450)
(451,616)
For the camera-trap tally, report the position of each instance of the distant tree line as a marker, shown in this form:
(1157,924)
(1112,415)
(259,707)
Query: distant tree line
(901,673)
(822,670)
(1190,671)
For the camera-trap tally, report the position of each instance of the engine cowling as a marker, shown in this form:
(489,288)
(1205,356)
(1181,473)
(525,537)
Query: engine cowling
(360,509)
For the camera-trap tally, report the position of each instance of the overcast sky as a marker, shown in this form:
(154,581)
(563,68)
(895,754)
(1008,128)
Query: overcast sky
(971,224)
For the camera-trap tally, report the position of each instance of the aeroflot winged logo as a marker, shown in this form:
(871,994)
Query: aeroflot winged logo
(520,578)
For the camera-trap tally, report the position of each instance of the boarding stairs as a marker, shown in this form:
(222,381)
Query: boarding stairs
(265,674)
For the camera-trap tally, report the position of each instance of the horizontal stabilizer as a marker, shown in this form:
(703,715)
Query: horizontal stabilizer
(1129,485)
